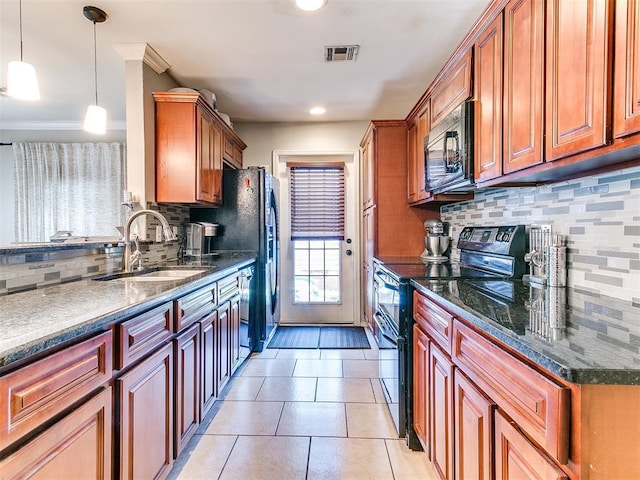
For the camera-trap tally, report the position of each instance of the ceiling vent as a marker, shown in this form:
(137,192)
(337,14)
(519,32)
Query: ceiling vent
(340,53)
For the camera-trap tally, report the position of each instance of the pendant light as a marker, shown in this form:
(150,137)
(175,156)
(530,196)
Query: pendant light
(95,120)
(22,82)
(310,5)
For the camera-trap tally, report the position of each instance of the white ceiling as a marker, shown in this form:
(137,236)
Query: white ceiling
(262,58)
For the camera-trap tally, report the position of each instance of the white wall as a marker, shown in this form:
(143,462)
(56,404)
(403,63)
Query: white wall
(263,138)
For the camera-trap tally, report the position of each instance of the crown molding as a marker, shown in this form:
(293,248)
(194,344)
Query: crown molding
(57,125)
(145,53)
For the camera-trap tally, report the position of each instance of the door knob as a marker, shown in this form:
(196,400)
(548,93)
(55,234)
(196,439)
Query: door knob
(349,252)
(348,240)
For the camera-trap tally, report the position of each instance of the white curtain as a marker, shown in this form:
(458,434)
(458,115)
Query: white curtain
(68,186)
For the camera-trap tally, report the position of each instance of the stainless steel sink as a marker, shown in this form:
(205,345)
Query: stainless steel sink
(162,276)
(159,275)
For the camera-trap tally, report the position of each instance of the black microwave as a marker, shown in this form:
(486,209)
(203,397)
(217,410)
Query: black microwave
(448,152)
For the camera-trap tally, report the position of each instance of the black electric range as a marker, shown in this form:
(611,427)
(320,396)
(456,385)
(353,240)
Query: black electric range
(486,253)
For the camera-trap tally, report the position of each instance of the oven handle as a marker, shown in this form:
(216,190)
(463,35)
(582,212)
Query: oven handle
(381,323)
(383,283)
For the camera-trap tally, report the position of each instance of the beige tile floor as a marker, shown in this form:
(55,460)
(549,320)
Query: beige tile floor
(302,414)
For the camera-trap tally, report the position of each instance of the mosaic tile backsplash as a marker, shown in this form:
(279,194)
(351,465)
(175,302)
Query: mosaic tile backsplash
(599,215)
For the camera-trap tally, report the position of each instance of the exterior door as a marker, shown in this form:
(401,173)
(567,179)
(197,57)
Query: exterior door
(328,293)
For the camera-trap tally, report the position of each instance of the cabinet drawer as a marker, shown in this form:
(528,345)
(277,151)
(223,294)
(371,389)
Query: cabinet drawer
(433,320)
(227,288)
(36,393)
(142,334)
(537,404)
(81,442)
(194,306)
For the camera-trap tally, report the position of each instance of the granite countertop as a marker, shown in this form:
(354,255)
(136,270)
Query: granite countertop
(39,319)
(576,335)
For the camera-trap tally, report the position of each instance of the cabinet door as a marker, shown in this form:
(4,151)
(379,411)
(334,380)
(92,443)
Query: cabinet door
(146,417)
(523,84)
(488,107)
(222,340)
(421,387)
(412,163)
(204,157)
(187,400)
(577,76)
(452,89)
(473,430)
(424,126)
(626,108)
(216,162)
(78,446)
(441,411)
(234,333)
(208,362)
(516,457)
(368,172)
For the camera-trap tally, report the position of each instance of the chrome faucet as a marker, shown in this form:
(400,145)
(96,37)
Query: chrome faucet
(129,257)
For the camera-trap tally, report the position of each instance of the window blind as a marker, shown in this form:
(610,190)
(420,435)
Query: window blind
(317,201)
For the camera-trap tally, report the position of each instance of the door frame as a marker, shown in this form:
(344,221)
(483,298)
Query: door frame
(280,156)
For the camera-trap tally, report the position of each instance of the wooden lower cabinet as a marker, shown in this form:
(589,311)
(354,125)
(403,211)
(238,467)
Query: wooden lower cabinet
(440,412)
(421,387)
(208,363)
(234,333)
(473,430)
(187,386)
(146,417)
(77,447)
(222,343)
(517,458)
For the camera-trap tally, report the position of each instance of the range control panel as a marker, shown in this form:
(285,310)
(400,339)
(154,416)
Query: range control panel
(506,240)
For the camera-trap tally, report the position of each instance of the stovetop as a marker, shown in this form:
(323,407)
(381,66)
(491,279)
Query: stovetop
(449,270)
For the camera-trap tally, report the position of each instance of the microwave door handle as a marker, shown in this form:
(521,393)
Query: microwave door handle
(451,156)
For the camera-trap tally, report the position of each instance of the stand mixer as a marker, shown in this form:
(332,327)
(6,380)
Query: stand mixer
(437,241)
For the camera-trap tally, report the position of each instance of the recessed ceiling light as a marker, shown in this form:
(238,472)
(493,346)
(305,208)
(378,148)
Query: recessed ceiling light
(310,5)
(318,111)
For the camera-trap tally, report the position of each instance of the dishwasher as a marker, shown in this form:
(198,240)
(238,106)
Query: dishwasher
(247,312)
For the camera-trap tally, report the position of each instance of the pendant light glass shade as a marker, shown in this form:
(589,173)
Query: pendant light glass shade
(22,82)
(95,120)
(310,5)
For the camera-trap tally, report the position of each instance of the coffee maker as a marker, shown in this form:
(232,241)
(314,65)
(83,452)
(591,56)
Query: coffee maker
(198,238)
(436,242)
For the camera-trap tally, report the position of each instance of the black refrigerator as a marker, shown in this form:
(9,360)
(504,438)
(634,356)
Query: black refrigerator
(249,221)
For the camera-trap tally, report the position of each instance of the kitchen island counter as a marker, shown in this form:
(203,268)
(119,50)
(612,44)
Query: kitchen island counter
(44,318)
(576,335)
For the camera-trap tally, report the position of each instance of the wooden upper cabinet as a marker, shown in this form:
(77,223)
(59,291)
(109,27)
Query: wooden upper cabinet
(208,159)
(191,143)
(452,89)
(577,76)
(368,169)
(488,106)
(415,155)
(626,108)
(523,119)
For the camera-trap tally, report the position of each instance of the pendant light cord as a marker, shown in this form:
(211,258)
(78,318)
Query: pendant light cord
(20,10)
(95,62)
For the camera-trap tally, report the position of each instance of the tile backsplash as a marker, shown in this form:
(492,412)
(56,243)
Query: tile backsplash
(599,215)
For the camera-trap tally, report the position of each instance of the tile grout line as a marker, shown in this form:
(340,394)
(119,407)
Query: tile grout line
(228,456)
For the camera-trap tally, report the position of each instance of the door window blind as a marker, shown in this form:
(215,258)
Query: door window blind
(317,201)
